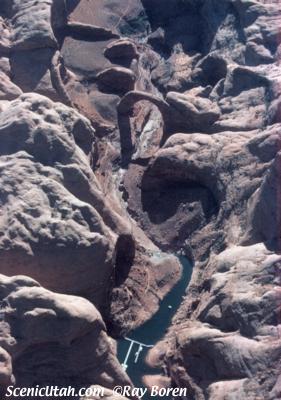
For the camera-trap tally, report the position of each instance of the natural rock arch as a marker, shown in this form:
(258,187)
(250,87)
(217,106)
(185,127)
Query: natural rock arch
(131,98)
(124,109)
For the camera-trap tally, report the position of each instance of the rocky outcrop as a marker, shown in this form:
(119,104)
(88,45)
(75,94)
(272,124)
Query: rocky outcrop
(191,113)
(130,130)
(216,196)
(194,170)
(132,97)
(39,149)
(31,25)
(59,226)
(214,335)
(90,31)
(8,90)
(56,223)
(225,346)
(121,51)
(116,79)
(53,339)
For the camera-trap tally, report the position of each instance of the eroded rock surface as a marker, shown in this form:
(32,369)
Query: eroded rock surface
(130,130)
(225,338)
(53,338)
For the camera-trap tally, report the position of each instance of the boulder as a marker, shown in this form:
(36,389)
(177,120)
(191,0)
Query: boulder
(116,79)
(32,25)
(121,50)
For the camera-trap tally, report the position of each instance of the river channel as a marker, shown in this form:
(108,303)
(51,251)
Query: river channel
(132,354)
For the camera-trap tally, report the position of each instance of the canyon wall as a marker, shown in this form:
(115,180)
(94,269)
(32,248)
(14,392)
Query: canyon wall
(131,130)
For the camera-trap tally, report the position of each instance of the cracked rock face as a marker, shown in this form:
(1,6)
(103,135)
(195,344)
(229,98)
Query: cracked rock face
(131,130)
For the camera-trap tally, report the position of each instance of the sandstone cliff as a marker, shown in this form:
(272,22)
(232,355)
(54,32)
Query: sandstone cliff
(131,130)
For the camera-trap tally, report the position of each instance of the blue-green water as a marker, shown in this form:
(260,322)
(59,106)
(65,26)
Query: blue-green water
(154,329)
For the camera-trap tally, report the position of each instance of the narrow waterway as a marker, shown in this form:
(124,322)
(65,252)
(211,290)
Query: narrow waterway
(132,354)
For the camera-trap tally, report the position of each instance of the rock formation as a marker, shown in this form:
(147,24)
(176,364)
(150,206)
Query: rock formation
(131,130)
(54,338)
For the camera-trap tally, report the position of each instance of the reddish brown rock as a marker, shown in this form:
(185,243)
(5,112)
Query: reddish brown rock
(121,50)
(185,151)
(116,79)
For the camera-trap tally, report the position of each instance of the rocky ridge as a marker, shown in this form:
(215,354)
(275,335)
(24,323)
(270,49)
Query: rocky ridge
(130,130)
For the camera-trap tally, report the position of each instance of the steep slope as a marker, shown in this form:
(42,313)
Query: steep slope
(130,130)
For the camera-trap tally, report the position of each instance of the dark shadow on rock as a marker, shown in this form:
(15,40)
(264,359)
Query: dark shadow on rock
(180,23)
(218,15)
(71,5)
(264,214)
(126,142)
(125,255)
(59,20)
(90,33)
(5,8)
(211,69)
(29,70)
(163,202)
